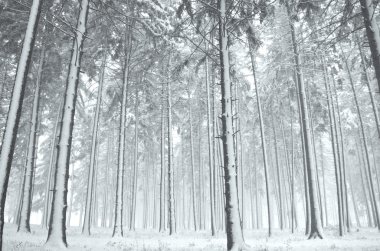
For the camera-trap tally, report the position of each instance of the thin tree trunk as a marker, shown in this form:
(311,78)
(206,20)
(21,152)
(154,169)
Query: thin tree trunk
(263,145)
(163,171)
(324,183)
(210,151)
(278,176)
(343,184)
(94,142)
(119,202)
(135,167)
(315,221)
(15,107)
(170,159)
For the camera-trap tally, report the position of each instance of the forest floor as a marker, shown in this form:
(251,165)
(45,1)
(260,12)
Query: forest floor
(149,240)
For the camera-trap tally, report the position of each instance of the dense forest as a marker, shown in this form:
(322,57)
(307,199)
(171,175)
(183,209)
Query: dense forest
(238,120)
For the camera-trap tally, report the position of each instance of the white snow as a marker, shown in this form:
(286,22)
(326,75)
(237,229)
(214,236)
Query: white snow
(364,239)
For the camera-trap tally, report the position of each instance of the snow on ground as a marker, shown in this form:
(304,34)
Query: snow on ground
(149,240)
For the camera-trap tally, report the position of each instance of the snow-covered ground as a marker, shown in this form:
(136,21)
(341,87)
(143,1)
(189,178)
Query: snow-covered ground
(364,239)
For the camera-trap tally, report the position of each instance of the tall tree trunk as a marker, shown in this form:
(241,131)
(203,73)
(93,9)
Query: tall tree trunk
(278,176)
(343,182)
(94,142)
(373,35)
(118,210)
(324,183)
(331,111)
(15,107)
(135,167)
(57,228)
(171,206)
(235,240)
(210,151)
(315,221)
(24,224)
(106,185)
(192,165)
(262,133)
(163,171)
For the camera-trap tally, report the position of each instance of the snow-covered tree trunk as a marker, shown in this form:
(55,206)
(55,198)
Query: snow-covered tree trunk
(210,150)
(343,181)
(57,226)
(118,218)
(194,206)
(106,184)
(71,200)
(24,224)
(324,183)
(170,158)
(372,29)
(132,219)
(163,171)
(262,136)
(235,240)
(279,179)
(94,140)
(14,112)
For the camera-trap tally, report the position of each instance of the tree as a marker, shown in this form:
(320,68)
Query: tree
(57,226)
(235,240)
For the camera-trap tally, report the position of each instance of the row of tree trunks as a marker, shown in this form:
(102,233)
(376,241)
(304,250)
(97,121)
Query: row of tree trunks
(315,221)
(15,107)
(24,224)
(94,143)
